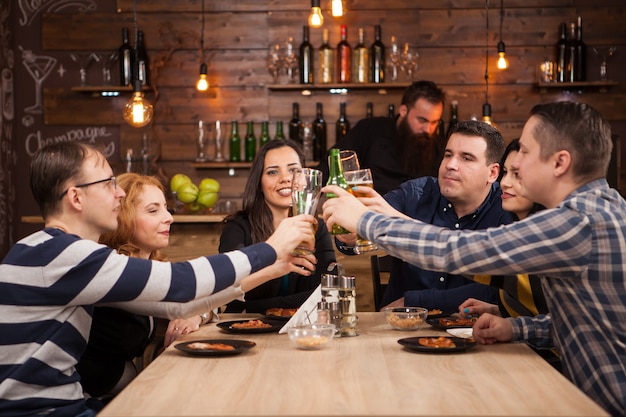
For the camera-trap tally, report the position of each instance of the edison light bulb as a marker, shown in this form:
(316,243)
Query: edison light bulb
(503,63)
(203,83)
(336,7)
(138,111)
(316,19)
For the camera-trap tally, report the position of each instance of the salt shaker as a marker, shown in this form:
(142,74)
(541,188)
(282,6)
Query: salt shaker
(347,305)
(323,313)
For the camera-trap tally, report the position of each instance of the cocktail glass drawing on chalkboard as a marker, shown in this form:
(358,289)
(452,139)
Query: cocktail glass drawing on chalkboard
(39,67)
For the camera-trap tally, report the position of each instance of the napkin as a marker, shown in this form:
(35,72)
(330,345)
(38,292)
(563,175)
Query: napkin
(307,313)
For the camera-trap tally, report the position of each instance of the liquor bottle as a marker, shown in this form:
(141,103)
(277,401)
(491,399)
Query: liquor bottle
(265,134)
(295,123)
(572,55)
(326,61)
(235,143)
(250,143)
(454,116)
(581,53)
(369,110)
(360,61)
(143,63)
(335,177)
(391,111)
(319,134)
(306,58)
(344,57)
(343,125)
(377,58)
(127,60)
(561,55)
(279,130)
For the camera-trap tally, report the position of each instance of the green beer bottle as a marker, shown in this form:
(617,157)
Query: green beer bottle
(235,143)
(250,142)
(279,130)
(335,177)
(265,134)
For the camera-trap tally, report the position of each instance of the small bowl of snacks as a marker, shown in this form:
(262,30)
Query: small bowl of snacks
(311,336)
(405,318)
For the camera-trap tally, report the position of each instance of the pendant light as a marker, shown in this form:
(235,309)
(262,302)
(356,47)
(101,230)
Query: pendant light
(337,8)
(138,111)
(487,107)
(316,19)
(202,84)
(503,63)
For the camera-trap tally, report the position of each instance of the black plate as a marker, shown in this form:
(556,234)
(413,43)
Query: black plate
(277,318)
(226,326)
(436,316)
(461,345)
(436,323)
(239,345)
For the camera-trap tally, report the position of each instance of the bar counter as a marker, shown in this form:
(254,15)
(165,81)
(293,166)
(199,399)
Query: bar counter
(370,374)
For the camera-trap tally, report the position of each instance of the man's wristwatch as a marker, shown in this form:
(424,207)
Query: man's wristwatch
(204,319)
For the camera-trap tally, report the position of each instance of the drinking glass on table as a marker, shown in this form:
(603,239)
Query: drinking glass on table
(306,188)
(360,178)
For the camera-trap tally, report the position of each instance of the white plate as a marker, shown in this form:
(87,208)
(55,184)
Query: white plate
(464,332)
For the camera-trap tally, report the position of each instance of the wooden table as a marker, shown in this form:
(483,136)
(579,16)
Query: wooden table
(370,374)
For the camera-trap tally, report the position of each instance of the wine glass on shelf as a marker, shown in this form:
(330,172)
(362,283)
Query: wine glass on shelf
(274,61)
(394,58)
(215,131)
(83,59)
(408,60)
(360,178)
(291,60)
(604,54)
(106,60)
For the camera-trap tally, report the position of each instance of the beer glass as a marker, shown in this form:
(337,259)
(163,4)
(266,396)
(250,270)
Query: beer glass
(349,160)
(360,178)
(306,188)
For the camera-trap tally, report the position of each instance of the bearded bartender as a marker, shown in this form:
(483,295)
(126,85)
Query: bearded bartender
(401,148)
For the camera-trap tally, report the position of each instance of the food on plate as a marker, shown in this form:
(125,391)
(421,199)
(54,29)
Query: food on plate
(404,322)
(436,342)
(281,312)
(435,312)
(251,324)
(311,341)
(459,321)
(209,346)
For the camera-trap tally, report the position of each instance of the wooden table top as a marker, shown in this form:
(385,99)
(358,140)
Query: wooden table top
(370,374)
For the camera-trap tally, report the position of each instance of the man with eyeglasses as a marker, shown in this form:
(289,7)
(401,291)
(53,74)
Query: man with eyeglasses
(400,148)
(51,280)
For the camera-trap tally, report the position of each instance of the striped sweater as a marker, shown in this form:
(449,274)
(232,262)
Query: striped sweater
(49,282)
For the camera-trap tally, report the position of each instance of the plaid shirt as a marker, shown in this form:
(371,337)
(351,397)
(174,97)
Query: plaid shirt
(580,245)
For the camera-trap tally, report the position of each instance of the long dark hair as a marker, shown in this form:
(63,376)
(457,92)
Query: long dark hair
(254,206)
(514,146)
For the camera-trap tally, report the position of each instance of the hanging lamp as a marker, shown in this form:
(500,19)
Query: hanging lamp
(487,107)
(503,63)
(203,83)
(316,19)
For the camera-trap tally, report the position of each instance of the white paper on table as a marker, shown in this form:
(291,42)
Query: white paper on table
(307,313)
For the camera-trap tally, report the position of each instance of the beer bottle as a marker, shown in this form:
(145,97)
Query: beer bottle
(335,177)
(250,143)
(279,130)
(235,143)
(265,134)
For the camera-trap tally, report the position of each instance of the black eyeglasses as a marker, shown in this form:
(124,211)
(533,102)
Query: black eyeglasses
(112,179)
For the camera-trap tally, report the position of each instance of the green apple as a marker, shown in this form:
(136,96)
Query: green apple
(187,193)
(207,198)
(209,184)
(178,180)
(193,207)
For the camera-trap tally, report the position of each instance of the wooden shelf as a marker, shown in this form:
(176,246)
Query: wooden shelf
(307,89)
(105,90)
(579,86)
(233,165)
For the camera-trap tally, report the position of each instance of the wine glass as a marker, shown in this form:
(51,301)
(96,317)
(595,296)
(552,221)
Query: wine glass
(360,178)
(306,189)
(106,60)
(349,160)
(274,61)
(215,131)
(604,54)
(291,60)
(83,59)
(408,60)
(394,58)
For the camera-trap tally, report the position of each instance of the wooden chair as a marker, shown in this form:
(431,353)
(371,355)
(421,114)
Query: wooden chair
(380,264)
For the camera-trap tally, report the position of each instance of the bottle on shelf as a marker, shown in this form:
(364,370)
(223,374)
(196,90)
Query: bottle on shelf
(572,55)
(377,58)
(454,116)
(265,134)
(561,55)
(369,110)
(391,111)
(319,133)
(326,61)
(580,69)
(335,177)
(344,58)
(143,63)
(360,60)
(234,143)
(279,130)
(306,58)
(343,125)
(295,123)
(126,60)
(250,143)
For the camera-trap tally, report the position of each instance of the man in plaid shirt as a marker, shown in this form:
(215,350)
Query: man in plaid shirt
(578,245)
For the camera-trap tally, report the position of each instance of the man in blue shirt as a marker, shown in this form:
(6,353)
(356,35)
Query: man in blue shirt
(577,244)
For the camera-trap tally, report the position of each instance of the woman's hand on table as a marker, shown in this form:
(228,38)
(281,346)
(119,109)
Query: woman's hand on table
(490,329)
(473,307)
(179,327)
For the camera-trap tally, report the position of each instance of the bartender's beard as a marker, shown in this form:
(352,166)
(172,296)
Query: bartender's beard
(418,151)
